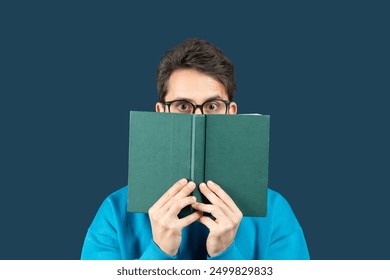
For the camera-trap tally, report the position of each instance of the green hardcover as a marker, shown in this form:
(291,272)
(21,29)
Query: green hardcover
(231,150)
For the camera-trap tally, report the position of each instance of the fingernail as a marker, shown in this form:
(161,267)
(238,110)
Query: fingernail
(202,185)
(191,185)
(183,181)
(210,182)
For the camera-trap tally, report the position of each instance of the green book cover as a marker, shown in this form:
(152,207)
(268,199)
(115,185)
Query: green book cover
(231,150)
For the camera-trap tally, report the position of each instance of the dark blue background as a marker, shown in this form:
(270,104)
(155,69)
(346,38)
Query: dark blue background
(71,71)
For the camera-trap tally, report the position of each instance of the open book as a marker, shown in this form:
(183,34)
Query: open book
(231,150)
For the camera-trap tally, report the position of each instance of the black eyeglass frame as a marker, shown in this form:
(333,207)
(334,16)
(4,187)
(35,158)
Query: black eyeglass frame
(196,106)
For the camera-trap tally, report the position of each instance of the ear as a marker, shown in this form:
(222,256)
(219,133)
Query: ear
(232,108)
(160,108)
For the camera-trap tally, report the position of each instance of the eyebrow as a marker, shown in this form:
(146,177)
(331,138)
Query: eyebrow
(191,100)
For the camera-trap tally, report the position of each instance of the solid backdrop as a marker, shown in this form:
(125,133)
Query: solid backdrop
(71,71)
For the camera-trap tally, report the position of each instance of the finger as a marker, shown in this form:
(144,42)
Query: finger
(176,203)
(186,190)
(214,210)
(208,222)
(183,222)
(208,208)
(214,199)
(172,191)
(223,195)
(209,194)
(173,207)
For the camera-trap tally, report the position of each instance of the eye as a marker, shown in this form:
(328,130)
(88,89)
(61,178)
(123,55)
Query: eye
(212,106)
(181,106)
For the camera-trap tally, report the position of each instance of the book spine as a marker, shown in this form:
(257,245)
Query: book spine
(198,152)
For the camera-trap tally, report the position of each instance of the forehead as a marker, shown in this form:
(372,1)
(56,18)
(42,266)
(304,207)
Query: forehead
(194,85)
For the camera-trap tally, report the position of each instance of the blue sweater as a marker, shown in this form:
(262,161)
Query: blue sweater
(116,234)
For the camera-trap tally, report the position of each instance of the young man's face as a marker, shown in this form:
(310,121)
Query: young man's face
(196,87)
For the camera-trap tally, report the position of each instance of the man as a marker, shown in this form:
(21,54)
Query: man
(195,77)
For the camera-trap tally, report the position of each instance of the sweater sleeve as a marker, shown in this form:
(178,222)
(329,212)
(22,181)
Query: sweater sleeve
(153,252)
(103,241)
(231,253)
(287,241)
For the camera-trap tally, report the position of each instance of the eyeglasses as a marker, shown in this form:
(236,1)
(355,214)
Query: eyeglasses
(212,106)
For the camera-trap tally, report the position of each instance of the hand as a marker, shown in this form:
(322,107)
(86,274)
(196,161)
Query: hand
(166,226)
(227,217)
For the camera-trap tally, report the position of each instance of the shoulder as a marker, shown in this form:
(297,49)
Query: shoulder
(280,212)
(115,204)
(275,199)
(119,196)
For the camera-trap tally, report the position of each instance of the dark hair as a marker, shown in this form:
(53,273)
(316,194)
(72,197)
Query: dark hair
(198,55)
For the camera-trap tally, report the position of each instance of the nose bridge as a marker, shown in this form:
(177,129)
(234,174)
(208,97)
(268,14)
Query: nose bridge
(198,110)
